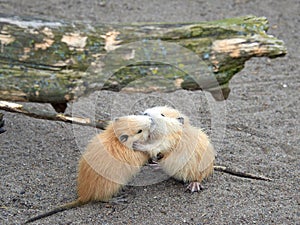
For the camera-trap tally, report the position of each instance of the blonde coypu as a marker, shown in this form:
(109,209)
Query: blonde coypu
(190,155)
(109,161)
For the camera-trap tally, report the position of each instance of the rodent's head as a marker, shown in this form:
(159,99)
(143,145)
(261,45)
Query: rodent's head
(133,128)
(167,121)
(166,111)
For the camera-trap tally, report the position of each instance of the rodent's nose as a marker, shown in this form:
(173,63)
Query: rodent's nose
(152,121)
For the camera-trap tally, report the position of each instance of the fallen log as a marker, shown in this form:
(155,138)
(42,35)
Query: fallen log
(56,62)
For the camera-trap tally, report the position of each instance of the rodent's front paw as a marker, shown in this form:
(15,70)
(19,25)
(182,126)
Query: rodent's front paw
(137,146)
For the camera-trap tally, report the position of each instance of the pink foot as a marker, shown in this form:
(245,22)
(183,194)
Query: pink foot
(194,187)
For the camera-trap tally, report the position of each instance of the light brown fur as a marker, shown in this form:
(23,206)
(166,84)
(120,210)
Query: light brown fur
(109,161)
(191,159)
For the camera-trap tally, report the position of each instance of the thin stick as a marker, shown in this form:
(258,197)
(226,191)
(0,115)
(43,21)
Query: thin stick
(225,169)
(42,114)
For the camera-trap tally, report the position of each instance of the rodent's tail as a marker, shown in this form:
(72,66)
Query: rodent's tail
(61,208)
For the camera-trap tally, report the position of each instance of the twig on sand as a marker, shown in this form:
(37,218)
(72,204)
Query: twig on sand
(46,115)
(225,169)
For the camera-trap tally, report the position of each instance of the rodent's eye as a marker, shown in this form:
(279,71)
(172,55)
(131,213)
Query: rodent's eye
(146,114)
(140,131)
(162,115)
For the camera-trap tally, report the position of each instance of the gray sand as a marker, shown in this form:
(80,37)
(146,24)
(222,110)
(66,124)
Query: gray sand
(39,158)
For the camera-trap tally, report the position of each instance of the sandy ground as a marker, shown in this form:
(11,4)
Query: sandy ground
(39,158)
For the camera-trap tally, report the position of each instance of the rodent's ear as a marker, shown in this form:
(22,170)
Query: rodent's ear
(181,120)
(116,119)
(123,138)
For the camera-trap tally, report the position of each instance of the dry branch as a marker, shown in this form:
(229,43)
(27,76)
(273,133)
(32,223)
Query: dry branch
(101,124)
(225,169)
(42,114)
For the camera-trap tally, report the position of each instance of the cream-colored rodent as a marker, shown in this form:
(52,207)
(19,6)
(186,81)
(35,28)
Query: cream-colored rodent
(187,156)
(109,161)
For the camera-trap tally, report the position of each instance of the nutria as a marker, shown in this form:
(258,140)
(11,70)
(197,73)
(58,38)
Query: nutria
(187,155)
(109,161)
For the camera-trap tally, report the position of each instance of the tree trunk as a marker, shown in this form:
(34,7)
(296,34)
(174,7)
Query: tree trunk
(55,62)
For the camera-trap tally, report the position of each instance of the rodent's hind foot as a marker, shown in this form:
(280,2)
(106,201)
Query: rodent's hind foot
(194,187)
(121,199)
